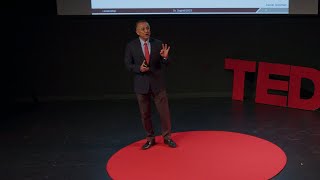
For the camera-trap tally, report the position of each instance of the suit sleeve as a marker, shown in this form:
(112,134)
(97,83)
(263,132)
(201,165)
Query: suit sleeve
(165,61)
(129,62)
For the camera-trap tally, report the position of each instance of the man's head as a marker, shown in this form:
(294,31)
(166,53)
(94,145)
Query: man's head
(143,29)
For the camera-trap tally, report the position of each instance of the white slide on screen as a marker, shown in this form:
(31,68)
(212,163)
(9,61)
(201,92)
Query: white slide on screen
(127,7)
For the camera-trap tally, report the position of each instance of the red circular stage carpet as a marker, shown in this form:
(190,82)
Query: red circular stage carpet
(200,155)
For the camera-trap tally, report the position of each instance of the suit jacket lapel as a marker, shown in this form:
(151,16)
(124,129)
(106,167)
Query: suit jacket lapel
(140,56)
(139,49)
(153,50)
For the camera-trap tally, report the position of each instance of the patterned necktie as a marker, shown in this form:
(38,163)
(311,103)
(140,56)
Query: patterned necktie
(146,53)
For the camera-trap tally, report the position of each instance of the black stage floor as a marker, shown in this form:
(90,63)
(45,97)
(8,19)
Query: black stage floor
(74,140)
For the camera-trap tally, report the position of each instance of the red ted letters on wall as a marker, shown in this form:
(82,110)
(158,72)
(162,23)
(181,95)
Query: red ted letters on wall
(264,83)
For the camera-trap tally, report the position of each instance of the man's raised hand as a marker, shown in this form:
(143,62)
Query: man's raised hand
(165,51)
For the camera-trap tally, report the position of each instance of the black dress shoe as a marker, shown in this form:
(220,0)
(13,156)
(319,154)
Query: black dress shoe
(148,144)
(170,143)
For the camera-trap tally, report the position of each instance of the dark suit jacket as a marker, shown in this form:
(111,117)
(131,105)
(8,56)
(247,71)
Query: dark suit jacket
(152,80)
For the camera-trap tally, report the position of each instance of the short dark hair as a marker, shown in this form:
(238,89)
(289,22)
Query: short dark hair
(140,21)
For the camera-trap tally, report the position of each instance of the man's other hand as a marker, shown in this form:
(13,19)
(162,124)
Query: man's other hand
(144,68)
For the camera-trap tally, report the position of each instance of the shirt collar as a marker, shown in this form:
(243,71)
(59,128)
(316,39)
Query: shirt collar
(142,41)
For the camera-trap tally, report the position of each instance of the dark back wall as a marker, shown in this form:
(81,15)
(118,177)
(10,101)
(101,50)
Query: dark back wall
(82,56)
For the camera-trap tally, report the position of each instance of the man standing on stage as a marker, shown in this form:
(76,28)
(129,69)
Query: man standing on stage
(146,58)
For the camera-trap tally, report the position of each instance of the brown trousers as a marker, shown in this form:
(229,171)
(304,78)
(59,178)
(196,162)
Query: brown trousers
(161,102)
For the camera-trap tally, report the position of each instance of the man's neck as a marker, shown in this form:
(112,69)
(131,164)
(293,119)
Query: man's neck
(144,40)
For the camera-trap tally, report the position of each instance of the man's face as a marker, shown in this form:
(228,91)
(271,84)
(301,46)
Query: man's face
(143,30)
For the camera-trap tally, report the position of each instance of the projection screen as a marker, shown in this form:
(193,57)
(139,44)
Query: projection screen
(174,7)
